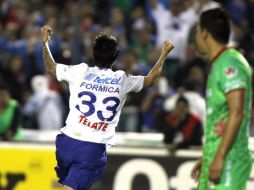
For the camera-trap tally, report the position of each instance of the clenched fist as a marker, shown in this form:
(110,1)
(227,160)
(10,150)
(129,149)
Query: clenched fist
(166,48)
(46,32)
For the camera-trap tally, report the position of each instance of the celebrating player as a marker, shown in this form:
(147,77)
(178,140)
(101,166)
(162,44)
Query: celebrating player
(226,161)
(97,95)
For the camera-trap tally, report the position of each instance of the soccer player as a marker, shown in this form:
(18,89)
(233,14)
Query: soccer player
(226,161)
(97,95)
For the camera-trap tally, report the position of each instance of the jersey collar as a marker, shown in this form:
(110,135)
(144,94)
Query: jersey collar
(218,54)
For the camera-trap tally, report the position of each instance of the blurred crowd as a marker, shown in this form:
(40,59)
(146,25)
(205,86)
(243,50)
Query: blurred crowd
(141,27)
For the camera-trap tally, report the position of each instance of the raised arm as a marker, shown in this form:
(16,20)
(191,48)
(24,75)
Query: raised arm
(48,59)
(157,68)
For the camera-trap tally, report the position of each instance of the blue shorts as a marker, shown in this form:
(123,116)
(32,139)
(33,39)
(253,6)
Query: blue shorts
(79,163)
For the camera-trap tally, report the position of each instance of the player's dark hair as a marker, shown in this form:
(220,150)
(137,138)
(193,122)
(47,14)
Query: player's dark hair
(105,50)
(217,22)
(182,99)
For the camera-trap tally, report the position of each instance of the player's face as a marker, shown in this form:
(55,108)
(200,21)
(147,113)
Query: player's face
(181,108)
(199,37)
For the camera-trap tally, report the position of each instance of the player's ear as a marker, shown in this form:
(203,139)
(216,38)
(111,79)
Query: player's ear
(205,34)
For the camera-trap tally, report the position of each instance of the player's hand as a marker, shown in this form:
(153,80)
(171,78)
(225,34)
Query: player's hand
(166,48)
(46,32)
(216,168)
(195,172)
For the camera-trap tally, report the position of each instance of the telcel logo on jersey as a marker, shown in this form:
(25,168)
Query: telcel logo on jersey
(107,80)
(90,76)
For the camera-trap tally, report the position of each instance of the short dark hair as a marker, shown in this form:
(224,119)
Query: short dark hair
(181,98)
(217,22)
(105,50)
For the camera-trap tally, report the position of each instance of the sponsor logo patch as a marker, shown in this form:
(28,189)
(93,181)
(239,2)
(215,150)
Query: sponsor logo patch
(230,72)
(90,76)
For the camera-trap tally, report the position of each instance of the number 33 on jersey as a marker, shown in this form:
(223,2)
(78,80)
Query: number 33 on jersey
(96,98)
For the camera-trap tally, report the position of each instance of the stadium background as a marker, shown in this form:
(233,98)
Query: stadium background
(141,160)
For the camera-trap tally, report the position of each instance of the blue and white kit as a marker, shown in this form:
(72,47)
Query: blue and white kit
(96,98)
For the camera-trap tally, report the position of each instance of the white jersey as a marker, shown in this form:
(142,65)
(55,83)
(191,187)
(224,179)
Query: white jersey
(96,98)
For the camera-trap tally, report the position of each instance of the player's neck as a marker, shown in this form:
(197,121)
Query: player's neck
(215,49)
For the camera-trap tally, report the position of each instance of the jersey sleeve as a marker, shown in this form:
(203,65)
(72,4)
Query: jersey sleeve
(133,83)
(71,74)
(233,76)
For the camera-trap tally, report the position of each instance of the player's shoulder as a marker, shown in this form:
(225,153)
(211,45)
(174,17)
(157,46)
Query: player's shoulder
(76,71)
(233,64)
(233,58)
(119,72)
(124,76)
(81,65)
(74,67)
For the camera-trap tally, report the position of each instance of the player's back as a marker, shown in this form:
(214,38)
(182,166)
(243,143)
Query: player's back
(96,98)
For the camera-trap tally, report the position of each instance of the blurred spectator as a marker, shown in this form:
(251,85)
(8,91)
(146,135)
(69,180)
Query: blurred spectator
(172,24)
(10,116)
(152,104)
(14,76)
(44,109)
(207,4)
(140,25)
(142,44)
(238,11)
(181,129)
(152,101)
(192,77)
(192,74)
(125,5)
(196,103)
(138,18)
(247,44)
(117,25)
(175,24)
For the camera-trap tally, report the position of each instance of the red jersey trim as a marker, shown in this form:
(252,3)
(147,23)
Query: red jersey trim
(218,54)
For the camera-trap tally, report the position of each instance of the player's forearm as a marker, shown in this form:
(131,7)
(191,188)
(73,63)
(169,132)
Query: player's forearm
(155,72)
(231,131)
(48,60)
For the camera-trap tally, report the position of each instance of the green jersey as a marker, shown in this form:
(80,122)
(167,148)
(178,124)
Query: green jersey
(230,71)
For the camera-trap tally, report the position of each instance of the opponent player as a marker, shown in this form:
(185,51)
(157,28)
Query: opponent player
(226,161)
(97,95)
